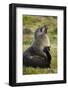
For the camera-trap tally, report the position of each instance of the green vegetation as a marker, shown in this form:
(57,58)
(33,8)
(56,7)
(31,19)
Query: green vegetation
(31,23)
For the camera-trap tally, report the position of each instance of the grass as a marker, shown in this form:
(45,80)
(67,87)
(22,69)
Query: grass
(33,22)
(31,70)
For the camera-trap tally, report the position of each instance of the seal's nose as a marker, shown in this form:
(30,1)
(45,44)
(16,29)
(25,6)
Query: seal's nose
(46,28)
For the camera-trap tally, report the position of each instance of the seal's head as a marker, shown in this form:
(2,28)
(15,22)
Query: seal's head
(41,31)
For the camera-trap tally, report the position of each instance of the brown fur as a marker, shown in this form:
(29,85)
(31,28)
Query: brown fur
(38,55)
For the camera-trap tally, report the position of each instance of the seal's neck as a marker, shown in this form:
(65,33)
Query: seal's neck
(41,42)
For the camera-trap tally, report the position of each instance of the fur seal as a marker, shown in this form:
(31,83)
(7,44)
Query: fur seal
(38,54)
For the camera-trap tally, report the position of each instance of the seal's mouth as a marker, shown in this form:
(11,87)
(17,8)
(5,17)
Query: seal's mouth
(45,28)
